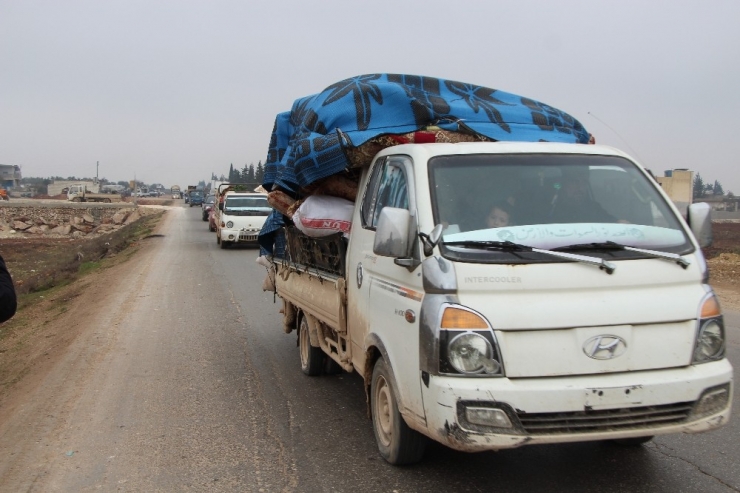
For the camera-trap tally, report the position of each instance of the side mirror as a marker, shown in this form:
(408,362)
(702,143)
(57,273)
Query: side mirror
(430,240)
(700,220)
(392,233)
(220,206)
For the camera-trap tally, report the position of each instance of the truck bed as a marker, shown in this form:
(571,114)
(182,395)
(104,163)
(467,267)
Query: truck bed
(312,276)
(326,254)
(322,296)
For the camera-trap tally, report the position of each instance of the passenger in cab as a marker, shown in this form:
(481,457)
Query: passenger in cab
(500,215)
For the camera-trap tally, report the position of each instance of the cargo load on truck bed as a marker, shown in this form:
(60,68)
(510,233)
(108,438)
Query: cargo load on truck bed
(317,146)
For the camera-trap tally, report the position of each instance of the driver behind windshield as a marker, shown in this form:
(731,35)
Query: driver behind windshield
(573,202)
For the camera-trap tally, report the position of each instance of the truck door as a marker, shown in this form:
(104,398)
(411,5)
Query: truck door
(384,296)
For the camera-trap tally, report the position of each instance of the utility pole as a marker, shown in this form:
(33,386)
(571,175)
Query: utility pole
(97,167)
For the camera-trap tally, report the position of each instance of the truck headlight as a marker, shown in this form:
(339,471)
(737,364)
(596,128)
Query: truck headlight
(710,338)
(467,344)
(229,224)
(471,353)
(710,345)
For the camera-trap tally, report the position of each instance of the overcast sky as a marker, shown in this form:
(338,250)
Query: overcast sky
(171,91)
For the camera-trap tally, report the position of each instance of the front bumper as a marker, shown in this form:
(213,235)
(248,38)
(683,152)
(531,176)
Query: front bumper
(239,236)
(575,409)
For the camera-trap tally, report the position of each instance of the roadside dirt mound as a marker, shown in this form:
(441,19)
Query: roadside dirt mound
(725,268)
(39,262)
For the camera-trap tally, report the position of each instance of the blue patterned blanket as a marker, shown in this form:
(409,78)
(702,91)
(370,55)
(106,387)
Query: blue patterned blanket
(308,143)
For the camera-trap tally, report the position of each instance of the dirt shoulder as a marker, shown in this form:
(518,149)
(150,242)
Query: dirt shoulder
(60,284)
(723,259)
(729,296)
(52,355)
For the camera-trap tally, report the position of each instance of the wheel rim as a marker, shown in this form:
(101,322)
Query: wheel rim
(383,414)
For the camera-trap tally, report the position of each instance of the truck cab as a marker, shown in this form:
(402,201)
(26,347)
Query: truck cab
(495,295)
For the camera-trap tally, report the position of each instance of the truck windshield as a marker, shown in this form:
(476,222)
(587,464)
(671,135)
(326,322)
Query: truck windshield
(570,202)
(257,206)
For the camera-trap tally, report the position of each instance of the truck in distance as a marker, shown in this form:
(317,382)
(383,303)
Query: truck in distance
(80,193)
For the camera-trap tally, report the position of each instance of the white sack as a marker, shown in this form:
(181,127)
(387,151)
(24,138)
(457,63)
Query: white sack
(324,215)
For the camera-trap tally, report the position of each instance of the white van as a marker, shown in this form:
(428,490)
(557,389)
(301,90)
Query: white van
(241,217)
(584,314)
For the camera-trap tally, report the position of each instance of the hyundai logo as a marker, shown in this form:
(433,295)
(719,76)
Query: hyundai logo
(605,347)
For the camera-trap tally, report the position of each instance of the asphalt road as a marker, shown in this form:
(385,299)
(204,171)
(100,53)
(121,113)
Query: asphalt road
(201,390)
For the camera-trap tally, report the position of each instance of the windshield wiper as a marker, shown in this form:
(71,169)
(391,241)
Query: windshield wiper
(509,246)
(611,245)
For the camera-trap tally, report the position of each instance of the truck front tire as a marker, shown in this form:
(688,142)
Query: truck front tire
(312,358)
(398,444)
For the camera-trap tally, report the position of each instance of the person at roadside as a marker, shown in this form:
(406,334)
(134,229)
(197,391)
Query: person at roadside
(8,300)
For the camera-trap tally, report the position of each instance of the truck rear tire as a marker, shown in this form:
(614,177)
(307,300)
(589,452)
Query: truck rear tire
(107,201)
(312,358)
(397,443)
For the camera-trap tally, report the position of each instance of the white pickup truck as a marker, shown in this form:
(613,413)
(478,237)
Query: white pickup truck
(240,217)
(585,315)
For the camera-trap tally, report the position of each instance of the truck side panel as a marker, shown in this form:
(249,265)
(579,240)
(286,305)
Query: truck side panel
(319,296)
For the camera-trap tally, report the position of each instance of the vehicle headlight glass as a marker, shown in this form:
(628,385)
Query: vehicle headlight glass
(710,345)
(229,224)
(472,353)
(710,337)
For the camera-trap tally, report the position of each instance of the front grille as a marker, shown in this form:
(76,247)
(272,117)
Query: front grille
(605,420)
(248,236)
